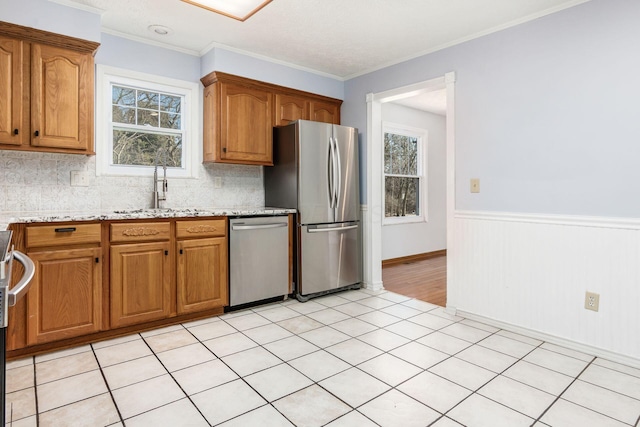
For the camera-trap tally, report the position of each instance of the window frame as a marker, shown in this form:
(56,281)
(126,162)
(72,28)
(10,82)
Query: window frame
(422,136)
(106,77)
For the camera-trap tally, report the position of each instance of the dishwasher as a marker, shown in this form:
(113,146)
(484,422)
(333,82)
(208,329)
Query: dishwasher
(258,260)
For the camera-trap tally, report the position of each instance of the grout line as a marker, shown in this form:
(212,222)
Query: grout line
(106,384)
(35,393)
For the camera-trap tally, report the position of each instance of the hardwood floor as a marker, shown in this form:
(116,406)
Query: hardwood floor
(425,280)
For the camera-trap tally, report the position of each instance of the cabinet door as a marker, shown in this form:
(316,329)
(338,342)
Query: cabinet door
(289,109)
(202,274)
(325,112)
(65,299)
(245,125)
(61,98)
(140,283)
(14,122)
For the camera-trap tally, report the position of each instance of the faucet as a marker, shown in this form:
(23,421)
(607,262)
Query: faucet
(157,198)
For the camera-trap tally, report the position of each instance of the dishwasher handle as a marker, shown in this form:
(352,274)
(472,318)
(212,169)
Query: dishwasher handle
(235,227)
(23,285)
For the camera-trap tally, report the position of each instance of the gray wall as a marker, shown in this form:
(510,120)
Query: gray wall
(546,112)
(400,240)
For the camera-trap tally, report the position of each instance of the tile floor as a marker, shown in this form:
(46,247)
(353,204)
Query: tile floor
(353,359)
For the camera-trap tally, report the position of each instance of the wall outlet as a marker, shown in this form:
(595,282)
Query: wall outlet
(217,182)
(79,179)
(591,301)
(475,185)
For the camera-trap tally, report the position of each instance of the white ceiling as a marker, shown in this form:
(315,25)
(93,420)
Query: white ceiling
(339,38)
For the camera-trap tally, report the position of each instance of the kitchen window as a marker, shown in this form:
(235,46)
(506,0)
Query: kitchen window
(404,174)
(146,119)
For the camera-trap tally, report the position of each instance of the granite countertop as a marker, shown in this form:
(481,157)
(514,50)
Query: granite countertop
(35,217)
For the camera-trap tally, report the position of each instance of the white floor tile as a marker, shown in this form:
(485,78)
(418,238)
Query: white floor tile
(133,371)
(69,390)
(249,361)
(264,416)
(200,322)
(541,378)
(147,395)
(419,305)
(401,311)
(431,321)
(478,411)
(390,369)
(444,343)
(212,330)
(297,409)
(229,344)
(434,391)
(268,333)
(463,373)
(354,327)
(204,376)
(278,314)
(384,340)
(518,337)
(170,340)
(179,413)
(518,396)
(487,358)
(479,325)
(62,353)
(328,316)
(95,411)
(19,378)
(277,382)
(564,413)
(392,296)
(183,357)
(379,318)
(375,302)
(352,419)
(396,409)
(613,380)
(354,295)
(354,351)
(63,367)
(114,341)
(300,324)
(353,309)
(464,332)
(124,352)
(354,386)
(442,312)
(568,352)
(505,345)
(556,362)
(617,367)
(20,404)
(606,402)
(160,331)
(319,365)
(307,307)
(291,348)
(407,329)
(331,300)
(324,337)
(248,321)
(227,401)
(420,355)
(19,363)
(445,422)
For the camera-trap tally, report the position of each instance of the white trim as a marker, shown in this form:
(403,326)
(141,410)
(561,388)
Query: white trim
(569,220)
(372,239)
(191,121)
(149,41)
(553,339)
(80,6)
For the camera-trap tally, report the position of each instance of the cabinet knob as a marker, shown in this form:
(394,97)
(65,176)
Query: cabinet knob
(224,149)
(97,260)
(166,252)
(180,251)
(37,133)
(15,131)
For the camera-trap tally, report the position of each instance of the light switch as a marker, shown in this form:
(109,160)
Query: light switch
(217,182)
(79,179)
(475,185)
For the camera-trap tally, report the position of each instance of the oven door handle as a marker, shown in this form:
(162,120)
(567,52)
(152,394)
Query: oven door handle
(23,285)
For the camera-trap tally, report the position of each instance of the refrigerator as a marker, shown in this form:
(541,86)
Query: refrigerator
(316,172)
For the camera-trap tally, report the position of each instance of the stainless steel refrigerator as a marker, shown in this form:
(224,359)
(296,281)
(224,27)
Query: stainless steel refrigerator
(316,171)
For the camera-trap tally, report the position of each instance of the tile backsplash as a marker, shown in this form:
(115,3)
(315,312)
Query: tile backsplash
(41,182)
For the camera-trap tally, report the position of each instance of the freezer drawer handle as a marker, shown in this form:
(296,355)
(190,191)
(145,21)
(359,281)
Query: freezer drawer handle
(258,226)
(23,285)
(326,230)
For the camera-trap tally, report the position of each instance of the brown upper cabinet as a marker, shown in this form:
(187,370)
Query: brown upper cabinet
(46,98)
(240,113)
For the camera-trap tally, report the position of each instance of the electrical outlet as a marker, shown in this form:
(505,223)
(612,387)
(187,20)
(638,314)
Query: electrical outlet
(591,301)
(217,182)
(79,179)
(475,185)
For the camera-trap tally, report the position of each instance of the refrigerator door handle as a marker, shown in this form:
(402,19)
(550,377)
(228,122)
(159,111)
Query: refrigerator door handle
(316,229)
(338,171)
(330,173)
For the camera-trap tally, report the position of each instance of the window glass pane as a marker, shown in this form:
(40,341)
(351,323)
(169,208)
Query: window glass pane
(148,99)
(170,103)
(148,117)
(401,196)
(123,96)
(170,121)
(400,154)
(124,115)
(140,148)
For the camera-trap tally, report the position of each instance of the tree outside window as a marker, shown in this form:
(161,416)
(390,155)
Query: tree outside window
(403,171)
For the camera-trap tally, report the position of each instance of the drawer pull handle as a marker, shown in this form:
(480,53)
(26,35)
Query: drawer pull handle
(65,230)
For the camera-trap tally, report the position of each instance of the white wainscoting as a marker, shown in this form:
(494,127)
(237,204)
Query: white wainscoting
(531,272)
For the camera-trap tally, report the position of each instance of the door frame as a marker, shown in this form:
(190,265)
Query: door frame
(372,211)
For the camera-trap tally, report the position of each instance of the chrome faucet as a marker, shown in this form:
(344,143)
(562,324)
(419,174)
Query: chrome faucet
(157,198)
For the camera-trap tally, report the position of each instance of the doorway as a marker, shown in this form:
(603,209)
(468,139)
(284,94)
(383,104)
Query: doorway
(373,211)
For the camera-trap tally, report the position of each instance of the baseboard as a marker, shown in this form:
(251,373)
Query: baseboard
(413,258)
(563,342)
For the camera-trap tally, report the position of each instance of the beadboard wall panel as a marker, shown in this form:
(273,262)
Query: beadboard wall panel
(532,271)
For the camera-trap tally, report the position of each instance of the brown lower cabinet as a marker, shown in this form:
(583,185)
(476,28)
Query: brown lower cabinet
(140,283)
(65,299)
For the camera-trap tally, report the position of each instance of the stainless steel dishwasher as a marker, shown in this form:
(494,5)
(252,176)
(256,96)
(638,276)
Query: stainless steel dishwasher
(258,259)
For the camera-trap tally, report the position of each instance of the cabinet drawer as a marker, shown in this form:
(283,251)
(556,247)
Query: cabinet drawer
(203,228)
(57,235)
(140,232)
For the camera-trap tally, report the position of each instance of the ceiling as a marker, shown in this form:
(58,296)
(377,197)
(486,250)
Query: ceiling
(337,38)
